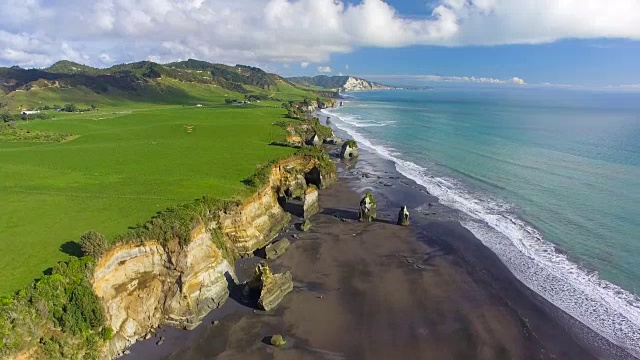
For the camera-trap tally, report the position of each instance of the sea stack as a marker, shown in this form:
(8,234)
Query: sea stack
(403,216)
(310,204)
(349,150)
(367,211)
(272,287)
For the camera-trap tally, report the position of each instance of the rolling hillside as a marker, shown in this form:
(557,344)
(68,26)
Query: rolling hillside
(185,82)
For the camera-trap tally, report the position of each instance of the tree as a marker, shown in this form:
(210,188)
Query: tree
(93,244)
(70,108)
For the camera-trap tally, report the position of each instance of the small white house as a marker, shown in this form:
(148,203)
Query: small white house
(30,112)
(199,105)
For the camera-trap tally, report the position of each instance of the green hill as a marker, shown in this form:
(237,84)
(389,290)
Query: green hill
(183,83)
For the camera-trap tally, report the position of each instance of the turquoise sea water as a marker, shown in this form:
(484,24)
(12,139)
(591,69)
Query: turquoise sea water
(549,179)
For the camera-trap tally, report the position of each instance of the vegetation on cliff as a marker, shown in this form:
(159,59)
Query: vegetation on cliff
(60,314)
(127,161)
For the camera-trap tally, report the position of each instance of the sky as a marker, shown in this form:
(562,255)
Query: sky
(519,42)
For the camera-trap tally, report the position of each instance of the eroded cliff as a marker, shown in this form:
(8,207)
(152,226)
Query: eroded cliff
(146,285)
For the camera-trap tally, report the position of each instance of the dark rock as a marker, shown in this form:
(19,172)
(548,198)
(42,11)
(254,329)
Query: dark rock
(403,216)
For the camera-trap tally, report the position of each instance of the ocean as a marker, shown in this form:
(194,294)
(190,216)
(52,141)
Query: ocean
(547,178)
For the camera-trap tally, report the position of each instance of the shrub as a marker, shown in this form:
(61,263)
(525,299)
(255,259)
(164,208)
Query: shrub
(107,333)
(93,244)
(70,108)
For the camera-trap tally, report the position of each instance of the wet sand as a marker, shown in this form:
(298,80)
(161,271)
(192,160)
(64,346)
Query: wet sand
(381,291)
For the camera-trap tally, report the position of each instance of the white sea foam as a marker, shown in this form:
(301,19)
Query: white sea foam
(606,308)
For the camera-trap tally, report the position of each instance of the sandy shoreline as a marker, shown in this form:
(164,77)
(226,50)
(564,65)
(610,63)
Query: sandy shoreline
(371,291)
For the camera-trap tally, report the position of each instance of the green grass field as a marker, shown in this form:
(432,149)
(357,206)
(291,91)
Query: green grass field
(128,162)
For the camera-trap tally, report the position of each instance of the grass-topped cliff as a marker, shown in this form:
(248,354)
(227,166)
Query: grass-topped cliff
(147,152)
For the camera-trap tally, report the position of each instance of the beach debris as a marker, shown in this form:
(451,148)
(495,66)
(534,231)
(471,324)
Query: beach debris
(215,322)
(278,341)
(126,352)
(295,236)
(305,225)
(403,216)
(274,250)
(272,288)
(161,341)
(310,202)
(349,150)
(367,212)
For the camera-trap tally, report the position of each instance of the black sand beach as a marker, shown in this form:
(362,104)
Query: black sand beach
(381,291)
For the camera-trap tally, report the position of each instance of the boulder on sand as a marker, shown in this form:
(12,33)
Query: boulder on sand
(349,150)
(367,210)
(403,216)
(305,226)
(272,287)
(276,249)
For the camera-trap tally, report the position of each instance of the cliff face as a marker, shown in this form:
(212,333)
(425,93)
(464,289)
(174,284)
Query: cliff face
(356,84)
(147,285)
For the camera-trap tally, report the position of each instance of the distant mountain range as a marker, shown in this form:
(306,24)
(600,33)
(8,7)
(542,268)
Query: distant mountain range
(340,83)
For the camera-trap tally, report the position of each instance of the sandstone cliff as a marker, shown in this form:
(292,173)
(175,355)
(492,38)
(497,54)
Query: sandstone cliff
(146,285)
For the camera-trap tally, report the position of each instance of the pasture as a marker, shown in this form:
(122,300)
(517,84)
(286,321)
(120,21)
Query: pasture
(124,165)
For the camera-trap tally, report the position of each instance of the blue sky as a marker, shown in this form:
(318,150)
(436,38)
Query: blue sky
(578,42)
(598,62)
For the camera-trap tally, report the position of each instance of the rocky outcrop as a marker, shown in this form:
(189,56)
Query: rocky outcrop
(349,150)
(310,205)
(357,84)
(367,211)
(403,216)
(314,140)
(272,287)
(273,251)
(143,286)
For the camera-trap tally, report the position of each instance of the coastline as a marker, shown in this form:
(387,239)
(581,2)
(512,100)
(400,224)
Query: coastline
(373,291)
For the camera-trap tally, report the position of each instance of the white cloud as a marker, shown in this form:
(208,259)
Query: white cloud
(346,67)
(449,79)
(288,31)
(304,64)
(325,69)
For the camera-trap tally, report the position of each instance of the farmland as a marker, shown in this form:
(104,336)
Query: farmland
(125,164)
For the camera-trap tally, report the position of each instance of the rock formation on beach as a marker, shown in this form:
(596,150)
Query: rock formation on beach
(367,212)
(349,150)
(274,250)
(272,287)
(145,285)
(310,205)
(314,140)
(305,226)
(403,216)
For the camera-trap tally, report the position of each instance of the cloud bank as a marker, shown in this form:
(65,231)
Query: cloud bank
(103,32)
(449,79)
